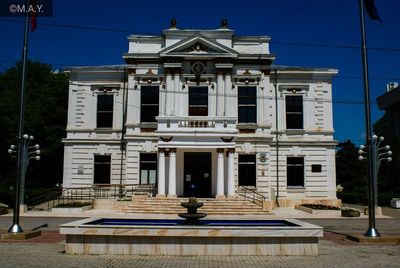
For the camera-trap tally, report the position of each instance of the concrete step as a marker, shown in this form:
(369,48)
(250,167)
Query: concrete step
(208,212)
(211,206)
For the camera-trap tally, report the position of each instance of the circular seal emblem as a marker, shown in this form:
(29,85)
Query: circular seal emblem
(198,67)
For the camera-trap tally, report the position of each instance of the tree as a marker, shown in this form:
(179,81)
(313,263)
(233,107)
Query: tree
(389,173)
(350,172)
(45,119)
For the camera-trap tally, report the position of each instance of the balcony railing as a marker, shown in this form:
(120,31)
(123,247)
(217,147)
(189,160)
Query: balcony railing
(203,122)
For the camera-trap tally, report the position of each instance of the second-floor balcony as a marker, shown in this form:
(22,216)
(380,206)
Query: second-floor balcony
(197,129)
(197,126)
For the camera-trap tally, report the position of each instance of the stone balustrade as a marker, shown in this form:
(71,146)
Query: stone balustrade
(196,122)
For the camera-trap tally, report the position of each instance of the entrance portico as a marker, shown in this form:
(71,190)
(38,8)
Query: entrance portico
(196,172)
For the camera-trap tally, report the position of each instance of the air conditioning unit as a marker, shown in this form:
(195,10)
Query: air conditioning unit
(391,86)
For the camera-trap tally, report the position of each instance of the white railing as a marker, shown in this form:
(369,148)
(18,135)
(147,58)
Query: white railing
(209,122)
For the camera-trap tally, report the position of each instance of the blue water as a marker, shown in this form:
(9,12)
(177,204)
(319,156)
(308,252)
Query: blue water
(173,222)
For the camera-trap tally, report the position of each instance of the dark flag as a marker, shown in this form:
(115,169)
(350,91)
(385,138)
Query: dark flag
(33,15)
(371,10)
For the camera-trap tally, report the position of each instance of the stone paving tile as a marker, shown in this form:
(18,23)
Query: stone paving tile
(331,255)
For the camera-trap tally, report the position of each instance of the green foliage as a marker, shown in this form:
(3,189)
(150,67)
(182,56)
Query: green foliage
(389,173)
(350,172)
(350,212)
(74,205)
(319,207)
(45,118)
(362,198)
(353,198)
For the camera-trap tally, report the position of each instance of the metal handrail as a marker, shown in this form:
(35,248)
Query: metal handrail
(251,194)
(43,197)
(106,191)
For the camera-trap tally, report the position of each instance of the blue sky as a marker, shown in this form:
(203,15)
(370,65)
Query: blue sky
(331,26)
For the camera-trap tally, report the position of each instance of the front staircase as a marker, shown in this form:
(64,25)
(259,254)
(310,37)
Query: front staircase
(156,205)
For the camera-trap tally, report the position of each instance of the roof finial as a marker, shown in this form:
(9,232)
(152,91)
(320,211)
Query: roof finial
(173,23)
(224,23)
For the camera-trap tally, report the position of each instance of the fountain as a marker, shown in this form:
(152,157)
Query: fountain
(192,216)
(191,236)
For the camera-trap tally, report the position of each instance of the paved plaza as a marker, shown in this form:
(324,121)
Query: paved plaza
(335,250)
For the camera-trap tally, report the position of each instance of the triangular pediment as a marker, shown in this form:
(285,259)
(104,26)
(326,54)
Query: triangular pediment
(198,46)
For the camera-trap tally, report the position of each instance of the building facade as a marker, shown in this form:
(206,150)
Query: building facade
(203,113)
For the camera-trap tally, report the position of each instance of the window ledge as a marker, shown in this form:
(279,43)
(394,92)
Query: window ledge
(148,125)
(295,189)
(247,126)
(104,130)
(295,131)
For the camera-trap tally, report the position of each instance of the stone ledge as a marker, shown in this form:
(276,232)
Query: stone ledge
(4,235)
(72,210)
(361,239)
(329,212)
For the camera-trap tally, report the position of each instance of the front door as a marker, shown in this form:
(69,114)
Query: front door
(197,177)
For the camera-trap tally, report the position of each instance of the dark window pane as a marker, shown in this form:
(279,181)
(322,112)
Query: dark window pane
(247,95)
(294,112)
(247,105)
(294,121)
(247,170)
(316,168)
(295,171)
(148,168)
(294,103)
(102,169)
(105,104)
(149,97)
(247,114)
(148,113)
(198,101)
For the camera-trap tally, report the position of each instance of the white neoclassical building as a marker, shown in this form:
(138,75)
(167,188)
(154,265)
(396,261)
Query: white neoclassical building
(202,113)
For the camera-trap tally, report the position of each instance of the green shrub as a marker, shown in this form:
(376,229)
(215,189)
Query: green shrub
(350,212)
(73,205)
(320,207)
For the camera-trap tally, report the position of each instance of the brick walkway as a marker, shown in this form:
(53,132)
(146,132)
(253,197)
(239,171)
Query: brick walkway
(335,250)
(331,255)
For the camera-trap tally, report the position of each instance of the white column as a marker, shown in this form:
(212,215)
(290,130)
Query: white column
(177,95)
(220,174)
(172,174)
(229,105)
(220,94)
(169,102)
(230,177)
(161,173)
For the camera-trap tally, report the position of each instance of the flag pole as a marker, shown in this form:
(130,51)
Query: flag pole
(15,227)
(372,231)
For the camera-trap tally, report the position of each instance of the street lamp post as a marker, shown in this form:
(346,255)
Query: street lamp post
(379,153)
(26,153)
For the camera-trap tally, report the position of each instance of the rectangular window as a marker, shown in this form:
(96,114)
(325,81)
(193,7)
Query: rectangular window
(198,101)
(294,112)
(105,106)
(149,99)
(247,170)
(102,169)
(295,172)
(148,168)
(247,101)
(316,168)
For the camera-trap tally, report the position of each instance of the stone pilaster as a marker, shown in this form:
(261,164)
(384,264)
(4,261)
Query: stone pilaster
(169,88)
(172,173)
(230,175)
(161,173)
(220,174)
(220,94)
